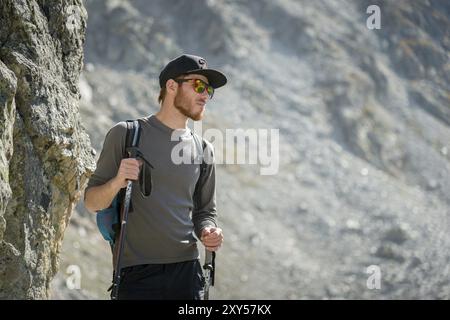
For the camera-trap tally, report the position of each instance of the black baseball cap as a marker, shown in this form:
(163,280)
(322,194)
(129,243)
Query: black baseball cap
(189,64)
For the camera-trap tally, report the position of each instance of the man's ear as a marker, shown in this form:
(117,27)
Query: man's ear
(171,86)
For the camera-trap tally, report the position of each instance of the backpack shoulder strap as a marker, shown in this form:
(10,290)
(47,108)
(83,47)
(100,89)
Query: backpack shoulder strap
(131,140)
(133,135)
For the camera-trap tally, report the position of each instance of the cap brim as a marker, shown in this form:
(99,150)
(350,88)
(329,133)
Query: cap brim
(215,78)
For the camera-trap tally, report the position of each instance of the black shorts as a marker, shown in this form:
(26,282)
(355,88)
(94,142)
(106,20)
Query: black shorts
(172,281)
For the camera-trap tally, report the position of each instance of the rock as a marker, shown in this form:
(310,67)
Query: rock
(432,184)
(302,208)
(414,262)
(353,226)
(397,235)
(255,239)
(8,86)
(244,277)
(44,168)
(390,252)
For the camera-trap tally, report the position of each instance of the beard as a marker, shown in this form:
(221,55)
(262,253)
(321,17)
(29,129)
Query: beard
(181,105)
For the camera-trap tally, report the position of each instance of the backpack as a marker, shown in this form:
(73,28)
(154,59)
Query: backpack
(108,220)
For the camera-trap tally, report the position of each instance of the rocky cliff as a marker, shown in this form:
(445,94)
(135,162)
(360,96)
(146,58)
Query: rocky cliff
(45,154)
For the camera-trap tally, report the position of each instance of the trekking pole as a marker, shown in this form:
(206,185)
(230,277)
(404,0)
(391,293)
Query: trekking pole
(123,228)
(209,267)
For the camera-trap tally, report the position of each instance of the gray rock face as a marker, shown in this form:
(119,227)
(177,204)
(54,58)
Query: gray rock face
(45,155)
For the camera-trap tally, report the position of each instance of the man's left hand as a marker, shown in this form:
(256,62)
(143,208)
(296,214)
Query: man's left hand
(212,238)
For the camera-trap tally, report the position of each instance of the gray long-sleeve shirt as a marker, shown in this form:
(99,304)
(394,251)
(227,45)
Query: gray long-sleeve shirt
(160,228)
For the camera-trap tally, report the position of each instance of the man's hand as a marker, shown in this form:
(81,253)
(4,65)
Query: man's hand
(212,238)
(128,170)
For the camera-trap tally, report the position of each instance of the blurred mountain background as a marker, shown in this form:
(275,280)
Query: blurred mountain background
(364,123)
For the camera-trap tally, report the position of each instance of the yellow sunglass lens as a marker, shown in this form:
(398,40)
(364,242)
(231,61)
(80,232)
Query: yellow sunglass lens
(199,88)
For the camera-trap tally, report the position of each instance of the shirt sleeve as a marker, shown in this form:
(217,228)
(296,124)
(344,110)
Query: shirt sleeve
(110,157)
(204,213)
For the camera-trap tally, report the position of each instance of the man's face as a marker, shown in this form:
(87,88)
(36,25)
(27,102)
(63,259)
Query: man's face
(188,102)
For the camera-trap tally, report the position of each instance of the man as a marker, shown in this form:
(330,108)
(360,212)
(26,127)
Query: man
(160,256)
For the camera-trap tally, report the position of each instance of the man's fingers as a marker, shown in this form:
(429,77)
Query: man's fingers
(211,230)
(129,169)
(205,233)
(213,242)
(131,162)
(130,174)
(130,166)
(213,236)
(216,231)
(213,248)
(207,230)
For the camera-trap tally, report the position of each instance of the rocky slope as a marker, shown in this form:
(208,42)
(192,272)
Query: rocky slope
(364,139)
(45,154)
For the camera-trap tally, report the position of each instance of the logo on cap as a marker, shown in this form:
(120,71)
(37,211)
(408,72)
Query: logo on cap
(202,63)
